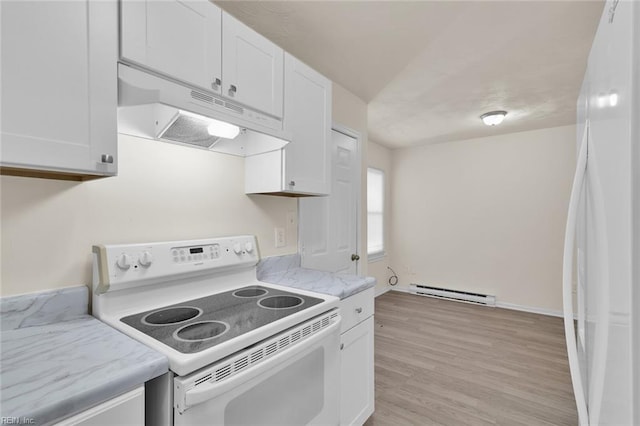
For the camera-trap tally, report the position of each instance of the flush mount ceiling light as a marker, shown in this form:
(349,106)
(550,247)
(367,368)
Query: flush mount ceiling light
(493,118)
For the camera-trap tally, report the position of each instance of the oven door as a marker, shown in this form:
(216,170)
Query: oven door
(290,379)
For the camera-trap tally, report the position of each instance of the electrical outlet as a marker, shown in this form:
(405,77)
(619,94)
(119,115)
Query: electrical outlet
(281,240)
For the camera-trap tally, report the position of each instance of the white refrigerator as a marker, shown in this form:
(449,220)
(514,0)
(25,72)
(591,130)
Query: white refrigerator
(602,243)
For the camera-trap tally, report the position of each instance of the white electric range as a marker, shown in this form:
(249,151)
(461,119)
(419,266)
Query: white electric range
(240,351)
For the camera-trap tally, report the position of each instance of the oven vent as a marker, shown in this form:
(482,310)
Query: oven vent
(223,372)
(455,295)
(241,363)
(256,356)
(203,379)
(271,349)
(265,350)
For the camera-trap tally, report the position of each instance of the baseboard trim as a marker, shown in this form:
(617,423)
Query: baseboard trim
(381,291)
(532,309)
(506,305)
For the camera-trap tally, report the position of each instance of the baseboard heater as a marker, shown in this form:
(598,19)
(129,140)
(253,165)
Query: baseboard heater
(456,295)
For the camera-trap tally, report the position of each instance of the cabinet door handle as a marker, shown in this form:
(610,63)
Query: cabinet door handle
(354,257)
(292,183)
(232,90)
(341,346)
(107,158)
(358,310)
(216,83)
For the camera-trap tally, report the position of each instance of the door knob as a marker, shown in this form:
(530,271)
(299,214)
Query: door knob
(354,257)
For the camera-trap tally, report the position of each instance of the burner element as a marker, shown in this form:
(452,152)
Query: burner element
(200,331)
(250,292)
(280,302)
(174,315)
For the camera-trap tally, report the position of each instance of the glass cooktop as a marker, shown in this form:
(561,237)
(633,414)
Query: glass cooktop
(199,324)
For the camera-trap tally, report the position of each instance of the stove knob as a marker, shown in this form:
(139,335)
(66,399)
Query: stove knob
(124,261)
(237,248)
(248,247)
(146,258)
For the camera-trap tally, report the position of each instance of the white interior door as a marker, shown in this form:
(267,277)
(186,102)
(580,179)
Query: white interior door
(328,225)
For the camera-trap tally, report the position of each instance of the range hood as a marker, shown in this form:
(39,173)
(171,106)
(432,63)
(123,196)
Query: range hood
(155,107)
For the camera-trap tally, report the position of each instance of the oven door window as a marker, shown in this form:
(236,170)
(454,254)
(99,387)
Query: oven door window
(293,396)
(302,389)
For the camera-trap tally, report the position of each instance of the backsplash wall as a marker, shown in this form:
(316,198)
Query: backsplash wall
(162,192)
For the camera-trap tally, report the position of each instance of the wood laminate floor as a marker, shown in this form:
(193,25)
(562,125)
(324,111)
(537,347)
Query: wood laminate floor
(439,362)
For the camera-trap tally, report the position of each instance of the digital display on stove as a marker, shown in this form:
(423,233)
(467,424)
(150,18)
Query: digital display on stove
(196,250)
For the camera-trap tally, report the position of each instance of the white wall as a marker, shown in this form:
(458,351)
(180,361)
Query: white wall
(485,215)
(380,158)
(162,192)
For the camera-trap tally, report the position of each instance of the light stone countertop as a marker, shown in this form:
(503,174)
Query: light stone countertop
(286,271)
(58,361)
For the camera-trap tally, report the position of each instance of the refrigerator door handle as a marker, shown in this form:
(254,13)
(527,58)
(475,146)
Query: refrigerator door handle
(567,278)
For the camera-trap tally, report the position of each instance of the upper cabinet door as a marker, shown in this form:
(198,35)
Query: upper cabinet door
(252,67)
(59,87)
(181,39)
(308,119)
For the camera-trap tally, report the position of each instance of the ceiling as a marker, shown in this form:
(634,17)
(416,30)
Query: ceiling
(429,69)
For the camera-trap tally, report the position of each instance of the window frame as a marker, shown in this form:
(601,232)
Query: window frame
(378,254)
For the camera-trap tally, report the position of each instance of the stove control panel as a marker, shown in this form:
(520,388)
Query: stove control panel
(195,253)
(129,265)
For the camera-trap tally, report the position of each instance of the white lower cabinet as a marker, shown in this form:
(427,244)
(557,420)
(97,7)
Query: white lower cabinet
(357,370)
(126,410)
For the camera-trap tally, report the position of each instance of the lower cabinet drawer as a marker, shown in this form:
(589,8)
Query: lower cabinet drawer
(126,409)
(356,308)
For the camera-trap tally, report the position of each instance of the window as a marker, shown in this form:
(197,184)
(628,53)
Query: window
(375,213)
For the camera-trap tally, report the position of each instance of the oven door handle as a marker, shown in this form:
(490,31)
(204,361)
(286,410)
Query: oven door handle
(207,391)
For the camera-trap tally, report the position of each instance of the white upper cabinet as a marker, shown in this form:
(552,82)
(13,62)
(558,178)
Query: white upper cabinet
(303,166)
(59,88)
(308,119)
(252,67)
(195,42)
(181,39)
